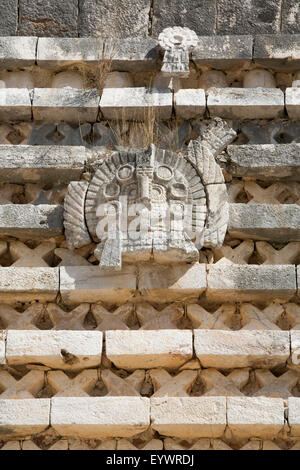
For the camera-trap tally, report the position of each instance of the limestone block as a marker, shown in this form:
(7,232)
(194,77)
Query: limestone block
(24,417)
(294,415)
(41,164)
(172,386)
(26,387)
(16,80)
(253,18)
(277,193)
(162,283)
(189,417)
(123,19)
(57,349)
(255,416)
(100,416)
(213,79)
(274,222)
(190,103)
(67,79)
(65,104)
(117,386)
(279,161)
(29,221)
(79,386)
(128,54)
(223,51)
(295,341)
(292,102)
(2,346)
(118,80)
(241,103)
(259,78)
(229,349)
(131,349)
(276,387)
(280,51)
(48,19)
(91,284)
(241,282)
(16,51)
(28,284)
(15,104)
(11,445)
(136,103)
(198,15)
(289,254)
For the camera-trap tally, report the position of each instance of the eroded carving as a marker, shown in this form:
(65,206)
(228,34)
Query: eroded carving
(177,43)
(150,202)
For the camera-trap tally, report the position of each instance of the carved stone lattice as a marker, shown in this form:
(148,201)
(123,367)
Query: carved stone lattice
(177,43)
(141,203)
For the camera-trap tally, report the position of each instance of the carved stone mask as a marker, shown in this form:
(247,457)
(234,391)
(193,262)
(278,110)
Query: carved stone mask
(145,203)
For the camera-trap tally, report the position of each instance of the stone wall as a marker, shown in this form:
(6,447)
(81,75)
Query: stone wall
(124,18)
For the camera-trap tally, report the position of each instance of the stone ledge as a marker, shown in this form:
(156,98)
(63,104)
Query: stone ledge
(255,416)
(24,417)
(271,222)
(233,349)
(28,284)
(99,417)
(292,102)
(136,103)
(223,51)
(245,103)
(275,161)
(190,103)
(227,283)
(17,51)
(277,51)
(15,104)
(189,417)
(25,221)
(161,283)
(294,415)
(65,104)
(56,349)
(148,349)
(41,164)
(91,284)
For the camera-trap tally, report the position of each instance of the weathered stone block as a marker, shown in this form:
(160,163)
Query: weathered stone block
(189,417)
(29,221)
(119,19)
(242,103)
(24,417)
(135,55)
(162,283)
(223,51)
(292,102)
(249,282)
(255,417)
(275,161)
(252,18)
(15,51)
(294,415)
(291,17)
(295,338)
(97,417)
(274,222)
(65,104)
(40,18)
(136,103)
(277,51)
(198,15)
(252,348)
(190,103)
(92,284)
(9,18)
(57,349)
(15,104)
(58,52)
(131,349)
(2,346)
(41,164)
(28,284)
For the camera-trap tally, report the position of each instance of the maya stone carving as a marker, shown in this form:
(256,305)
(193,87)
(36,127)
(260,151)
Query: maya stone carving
(177,42)
(144,203)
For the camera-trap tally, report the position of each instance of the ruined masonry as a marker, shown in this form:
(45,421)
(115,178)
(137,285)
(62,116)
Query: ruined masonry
(149,240)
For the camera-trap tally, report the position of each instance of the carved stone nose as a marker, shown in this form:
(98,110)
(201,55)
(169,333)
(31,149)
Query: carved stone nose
(144,188)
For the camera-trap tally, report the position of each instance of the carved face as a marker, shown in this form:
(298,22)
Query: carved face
(147,177)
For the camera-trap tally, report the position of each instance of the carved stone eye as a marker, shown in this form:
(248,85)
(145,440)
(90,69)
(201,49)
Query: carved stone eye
(158,193)
(125,173)
(164,173)
(179,191)
(111,190)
